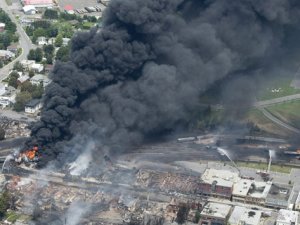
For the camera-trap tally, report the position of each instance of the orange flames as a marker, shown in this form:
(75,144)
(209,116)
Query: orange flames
(30,154)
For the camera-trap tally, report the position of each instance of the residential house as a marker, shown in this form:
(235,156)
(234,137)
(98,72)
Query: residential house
(22,78)
(8,97)
(13,48)
(66,41)
(41,41)
(48,68)
(2,27)
(33,106)
(6,55)
(40,79)
(51,41)
(37,67)
(27,64)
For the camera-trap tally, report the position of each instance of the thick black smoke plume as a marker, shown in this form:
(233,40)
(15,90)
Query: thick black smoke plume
(142,73)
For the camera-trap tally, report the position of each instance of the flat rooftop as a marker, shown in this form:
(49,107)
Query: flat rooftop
(242,187)
(242,215)
(259,189)
(280,192)
(216,210)
(224,178)
(287,217)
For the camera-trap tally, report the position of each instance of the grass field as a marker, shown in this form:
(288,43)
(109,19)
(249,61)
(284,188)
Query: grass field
(278,88)
(264,166)
(289,111)
(266,126)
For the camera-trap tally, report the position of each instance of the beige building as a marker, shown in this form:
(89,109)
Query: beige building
(244,216)
(215,213)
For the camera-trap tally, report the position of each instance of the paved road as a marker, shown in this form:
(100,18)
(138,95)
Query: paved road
(16,115)
(279,122)
(24,40)
(277,100)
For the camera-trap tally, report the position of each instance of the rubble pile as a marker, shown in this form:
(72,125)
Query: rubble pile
(167,181)
(14,128)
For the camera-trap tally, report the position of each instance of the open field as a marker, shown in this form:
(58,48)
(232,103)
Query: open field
(278,88)
(264,124)
(288,112)
(264,166)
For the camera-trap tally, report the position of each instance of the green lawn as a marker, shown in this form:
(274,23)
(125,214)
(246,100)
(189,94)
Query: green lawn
(265,125)
(264,166)
(288,111)
(278,88)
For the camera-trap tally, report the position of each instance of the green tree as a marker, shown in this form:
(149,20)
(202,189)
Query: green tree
(21,99)
(41,24)
(2,134)
(38,92)
(197,217)
(29,30)
(27,86)
(63,53)
(39,54)
(50,14)
(5,40)
(59,40)
(66,30)
(4,203)
(13,79)
(48,49)
(52,31)
(31,73)
(1,64)
(31,55)
(40,32)
(18,66)
(49,59)
(67,16)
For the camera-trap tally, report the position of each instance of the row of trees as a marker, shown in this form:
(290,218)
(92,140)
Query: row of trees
(9,36)
(28,92)
(48,51)
(44,28)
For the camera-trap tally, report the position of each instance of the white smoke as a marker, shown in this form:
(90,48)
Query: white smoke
(75,212)
(83,161)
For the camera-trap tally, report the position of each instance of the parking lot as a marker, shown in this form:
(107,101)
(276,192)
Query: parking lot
(78,4)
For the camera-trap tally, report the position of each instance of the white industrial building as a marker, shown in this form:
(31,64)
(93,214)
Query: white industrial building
(287,217)
(29,9)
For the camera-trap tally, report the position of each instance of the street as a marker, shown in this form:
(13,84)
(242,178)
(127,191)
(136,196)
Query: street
(24,41)
(278,121)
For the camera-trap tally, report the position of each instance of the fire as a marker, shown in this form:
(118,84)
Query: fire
(30,155)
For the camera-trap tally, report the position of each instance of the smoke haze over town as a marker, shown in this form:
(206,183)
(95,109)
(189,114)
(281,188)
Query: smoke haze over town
(142,72)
